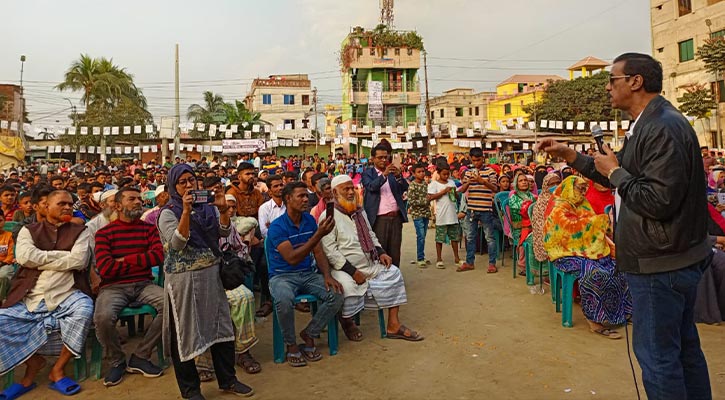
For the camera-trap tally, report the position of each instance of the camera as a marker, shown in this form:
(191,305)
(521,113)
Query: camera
(202,196)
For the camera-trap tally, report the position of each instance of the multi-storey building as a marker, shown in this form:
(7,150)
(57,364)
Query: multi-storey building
(679,28)
(368,66)
(512,95)
(461,107)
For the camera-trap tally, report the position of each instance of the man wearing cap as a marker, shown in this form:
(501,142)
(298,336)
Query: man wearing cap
(261,183)
(366,273)
(162,197)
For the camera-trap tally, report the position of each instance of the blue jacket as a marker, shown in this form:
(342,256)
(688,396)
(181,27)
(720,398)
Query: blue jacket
(372,184)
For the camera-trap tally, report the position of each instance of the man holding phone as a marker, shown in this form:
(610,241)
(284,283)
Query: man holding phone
(384,187)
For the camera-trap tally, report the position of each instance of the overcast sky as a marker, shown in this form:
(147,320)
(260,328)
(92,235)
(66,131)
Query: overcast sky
(226,43)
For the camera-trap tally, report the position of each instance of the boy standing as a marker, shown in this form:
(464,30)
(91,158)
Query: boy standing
(419,211)
(443,191)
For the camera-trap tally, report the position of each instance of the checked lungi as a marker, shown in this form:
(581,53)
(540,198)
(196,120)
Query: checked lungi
(385,290)
(23,333)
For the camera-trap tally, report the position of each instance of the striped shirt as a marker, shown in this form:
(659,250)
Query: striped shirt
(139,245)
(480,197)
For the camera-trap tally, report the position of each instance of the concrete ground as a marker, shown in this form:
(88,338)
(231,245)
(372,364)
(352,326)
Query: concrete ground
(486,337)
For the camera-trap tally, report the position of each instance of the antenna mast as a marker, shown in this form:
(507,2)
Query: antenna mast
(386,13)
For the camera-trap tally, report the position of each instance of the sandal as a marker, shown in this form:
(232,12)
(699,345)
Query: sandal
(465,267)
(310,353)
(607,333)
(206,376)
(405,334)
(65,386)
(296,359)
(16,390)
(351,330)
(492,269)
(248,363)
(440,265)
(264,310)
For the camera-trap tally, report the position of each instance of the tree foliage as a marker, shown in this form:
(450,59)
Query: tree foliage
(712,54)
(581,99)
(697,101)
(216,111)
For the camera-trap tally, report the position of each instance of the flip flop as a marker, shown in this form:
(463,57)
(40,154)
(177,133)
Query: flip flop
(400,334)
(607,333)
(66,386)
(16,390)
(296,359)
(310,353)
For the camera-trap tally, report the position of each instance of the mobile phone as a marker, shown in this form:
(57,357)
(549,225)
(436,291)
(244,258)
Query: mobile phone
(202,196)
(330,209)
(396,160)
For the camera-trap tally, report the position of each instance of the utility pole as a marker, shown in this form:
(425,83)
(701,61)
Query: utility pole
(177,115)
(428,124)
(317,131)
(21,128)
(708,22)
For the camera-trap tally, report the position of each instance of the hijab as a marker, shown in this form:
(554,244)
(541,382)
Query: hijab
(204,221)
(539,175)
(565,172)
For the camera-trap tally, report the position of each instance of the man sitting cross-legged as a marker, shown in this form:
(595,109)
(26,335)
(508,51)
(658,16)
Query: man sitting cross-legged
(361,266)
(126,249)
(291,240)
(48,310)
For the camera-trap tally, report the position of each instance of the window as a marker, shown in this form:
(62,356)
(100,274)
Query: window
(305,122)
(397,52)
(685,7)
(661,49)
(477,110)
(459,111)
(432,115)
(719,89)
(687,50)
(385,51)
(305,99)
(507,108)
(470,111)
(289,99)
(522,87)
(443,114)
(289,122)
(266,99)
(720,33)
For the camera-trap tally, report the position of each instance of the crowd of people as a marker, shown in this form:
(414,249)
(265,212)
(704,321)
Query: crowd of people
(91,239)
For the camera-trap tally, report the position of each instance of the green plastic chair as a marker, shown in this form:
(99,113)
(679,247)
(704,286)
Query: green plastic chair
(381,322)
(564,291)
(9,226)
(501,201)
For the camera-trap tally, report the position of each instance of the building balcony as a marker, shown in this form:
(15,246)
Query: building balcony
(393,93)
(374,57)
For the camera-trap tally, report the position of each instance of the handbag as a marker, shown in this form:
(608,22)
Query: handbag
(233,270)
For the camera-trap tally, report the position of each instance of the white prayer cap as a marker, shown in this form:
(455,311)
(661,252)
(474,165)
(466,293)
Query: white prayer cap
(158,190)
(97,197)
(339,180)
(230,197)
(108,194)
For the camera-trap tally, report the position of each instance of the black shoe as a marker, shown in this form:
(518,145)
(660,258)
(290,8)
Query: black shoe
(138,365)
(197,397)
(115,375)
(239,389)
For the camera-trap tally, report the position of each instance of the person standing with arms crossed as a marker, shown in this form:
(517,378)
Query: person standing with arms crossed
(661,229)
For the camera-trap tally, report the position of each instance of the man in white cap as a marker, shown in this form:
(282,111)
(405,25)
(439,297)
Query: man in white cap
(108,205)
(359,263)
(162,197)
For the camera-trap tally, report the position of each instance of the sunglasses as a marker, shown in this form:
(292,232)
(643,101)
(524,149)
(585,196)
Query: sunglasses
(612,78)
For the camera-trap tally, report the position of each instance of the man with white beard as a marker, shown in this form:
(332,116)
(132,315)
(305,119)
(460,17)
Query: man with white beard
(126,250)
(362,267)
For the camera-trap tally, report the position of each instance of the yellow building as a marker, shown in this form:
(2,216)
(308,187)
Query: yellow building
(512,95)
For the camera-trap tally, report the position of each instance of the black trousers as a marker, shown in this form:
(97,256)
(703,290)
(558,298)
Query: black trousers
(222,355)
(389,231)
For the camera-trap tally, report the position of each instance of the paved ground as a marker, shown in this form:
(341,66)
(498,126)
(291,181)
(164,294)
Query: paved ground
(486,337)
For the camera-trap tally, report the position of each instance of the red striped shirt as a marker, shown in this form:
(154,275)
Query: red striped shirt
(139,245)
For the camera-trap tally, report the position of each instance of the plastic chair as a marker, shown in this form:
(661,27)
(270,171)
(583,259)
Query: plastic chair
(278,340)
(9,226)
(564,289)
(381,323)
(501,201)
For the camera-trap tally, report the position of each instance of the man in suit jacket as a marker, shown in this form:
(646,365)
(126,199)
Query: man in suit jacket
(383,201)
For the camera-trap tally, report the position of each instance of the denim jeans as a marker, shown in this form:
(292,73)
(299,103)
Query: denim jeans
(285,287)
(487,219)
(421,228)
(664,335)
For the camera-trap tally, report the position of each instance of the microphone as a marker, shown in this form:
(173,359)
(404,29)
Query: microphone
(598,135)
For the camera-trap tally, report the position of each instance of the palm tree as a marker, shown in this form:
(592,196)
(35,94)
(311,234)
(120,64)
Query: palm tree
(213,106)
(238,113)
(101,82)
(47,135)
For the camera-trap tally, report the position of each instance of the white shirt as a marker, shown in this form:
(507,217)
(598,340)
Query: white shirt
(268,212)
(446,213)
(617,197)
(56,281)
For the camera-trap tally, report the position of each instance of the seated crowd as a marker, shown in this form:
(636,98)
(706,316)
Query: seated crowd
(84,248)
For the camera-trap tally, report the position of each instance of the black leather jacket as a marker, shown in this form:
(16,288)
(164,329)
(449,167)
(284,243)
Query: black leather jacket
(662,223)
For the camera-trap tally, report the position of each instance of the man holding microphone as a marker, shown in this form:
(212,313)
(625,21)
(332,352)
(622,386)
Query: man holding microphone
(661,230)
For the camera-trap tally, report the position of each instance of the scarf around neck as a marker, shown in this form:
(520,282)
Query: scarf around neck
(363,232)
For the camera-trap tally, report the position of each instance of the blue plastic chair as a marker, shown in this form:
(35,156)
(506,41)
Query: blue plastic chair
(278,340)
(564,291)
(381,323)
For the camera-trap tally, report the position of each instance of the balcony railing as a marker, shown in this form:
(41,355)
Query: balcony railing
(362,86)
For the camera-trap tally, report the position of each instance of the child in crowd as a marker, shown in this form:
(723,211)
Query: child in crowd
(25,210)
(443,191)
(419,211)
(7,258)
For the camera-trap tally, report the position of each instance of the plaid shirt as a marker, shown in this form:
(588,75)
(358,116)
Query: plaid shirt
(418,204)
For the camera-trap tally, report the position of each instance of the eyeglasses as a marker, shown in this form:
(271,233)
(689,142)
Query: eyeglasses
(613,77)
(188,181)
